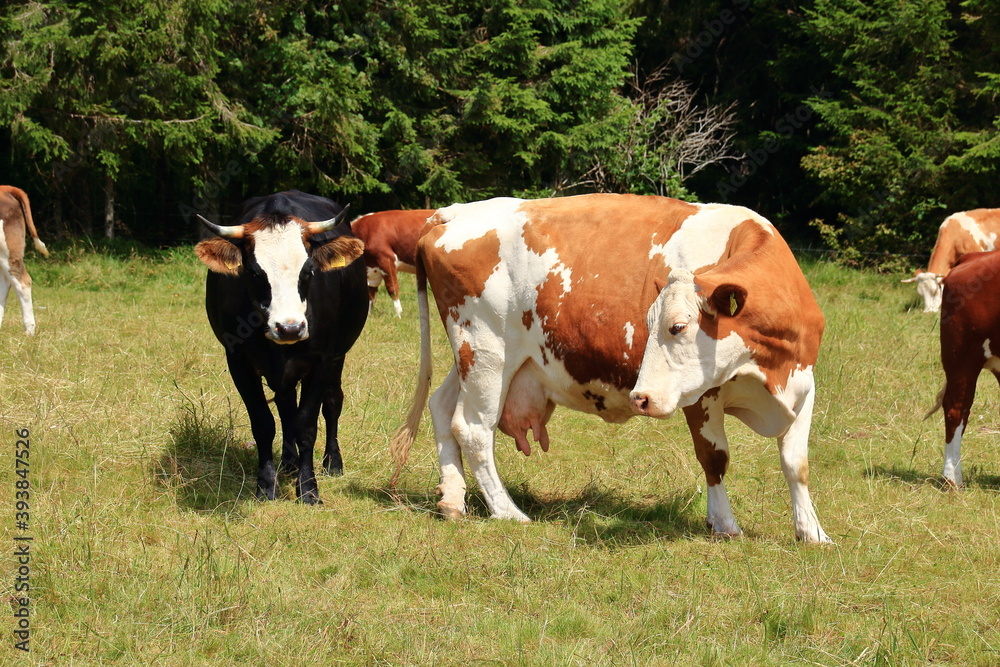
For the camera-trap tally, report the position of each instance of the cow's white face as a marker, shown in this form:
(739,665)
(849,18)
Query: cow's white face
(929,289)
(277,261)
(682,361)
(279,257)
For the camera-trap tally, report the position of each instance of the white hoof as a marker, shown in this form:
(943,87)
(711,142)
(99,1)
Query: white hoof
(726,533)
(511,515)
(816,536)
(723,528)
(450,512)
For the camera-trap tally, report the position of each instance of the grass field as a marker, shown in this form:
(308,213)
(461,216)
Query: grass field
(149,547)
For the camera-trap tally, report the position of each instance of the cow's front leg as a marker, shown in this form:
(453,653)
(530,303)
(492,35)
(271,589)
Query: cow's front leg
(794,447)
(705,419)
(251,390)
(333,404)
(374,276)
(313,392)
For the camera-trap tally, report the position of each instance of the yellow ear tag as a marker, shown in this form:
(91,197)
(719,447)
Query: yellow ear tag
(234,265)
(732,304)
(337,262)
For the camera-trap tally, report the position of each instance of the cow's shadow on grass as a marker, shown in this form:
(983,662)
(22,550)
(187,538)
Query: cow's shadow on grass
(205,465)
(972,477)
(209,470)
(598,515)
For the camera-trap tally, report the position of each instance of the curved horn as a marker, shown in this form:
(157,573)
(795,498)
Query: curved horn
(327,225)
(234,232)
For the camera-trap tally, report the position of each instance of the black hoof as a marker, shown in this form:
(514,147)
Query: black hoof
(266,494)
(334,471)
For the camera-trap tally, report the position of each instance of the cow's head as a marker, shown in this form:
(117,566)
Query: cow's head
(929,289)
(692,346)
(277,256)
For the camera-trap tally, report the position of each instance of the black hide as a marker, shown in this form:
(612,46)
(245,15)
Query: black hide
(337,307)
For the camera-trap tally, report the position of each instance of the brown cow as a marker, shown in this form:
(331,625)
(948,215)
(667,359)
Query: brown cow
(960,233)
(574,301)
(970,342)
(15,217)
(390,239)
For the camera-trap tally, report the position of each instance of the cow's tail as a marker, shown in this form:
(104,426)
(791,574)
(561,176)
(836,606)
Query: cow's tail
(22,198)
(937,403)
(403,439)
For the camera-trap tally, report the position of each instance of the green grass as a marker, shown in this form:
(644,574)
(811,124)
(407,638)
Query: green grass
(149,547)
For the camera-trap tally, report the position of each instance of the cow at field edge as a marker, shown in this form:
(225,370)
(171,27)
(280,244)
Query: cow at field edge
(551,302)
(970,342)
(390,239)
(287,300)
(15,218)
(960,233)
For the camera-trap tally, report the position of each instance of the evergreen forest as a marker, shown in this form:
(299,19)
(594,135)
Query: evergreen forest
(854,126)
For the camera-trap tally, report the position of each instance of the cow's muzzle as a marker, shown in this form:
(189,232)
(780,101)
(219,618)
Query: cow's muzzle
(288,332)
(642,404)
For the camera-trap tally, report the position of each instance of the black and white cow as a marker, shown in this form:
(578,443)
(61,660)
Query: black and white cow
(287,299)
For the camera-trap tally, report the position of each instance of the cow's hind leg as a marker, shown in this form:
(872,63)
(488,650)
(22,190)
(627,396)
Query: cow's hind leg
(333,404)
(251,390)
(285,401)
(5,278)
(387,265)
(21,282)
(477,414)
(794,448)
(4,288)
(959,393)
(706,421)
(452,487)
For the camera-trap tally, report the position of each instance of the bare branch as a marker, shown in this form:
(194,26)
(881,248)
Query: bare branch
(667,138)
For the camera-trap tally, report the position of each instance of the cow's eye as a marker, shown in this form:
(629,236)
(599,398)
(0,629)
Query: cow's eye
(677,328)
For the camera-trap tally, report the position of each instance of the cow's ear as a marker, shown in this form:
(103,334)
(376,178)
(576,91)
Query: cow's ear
(338,253)
(726,300)
(220,255)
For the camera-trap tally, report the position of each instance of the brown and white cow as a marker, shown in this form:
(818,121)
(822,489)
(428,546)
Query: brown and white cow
(15,217)
(563,302)
(960,233)
(390,239)
(970,342)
